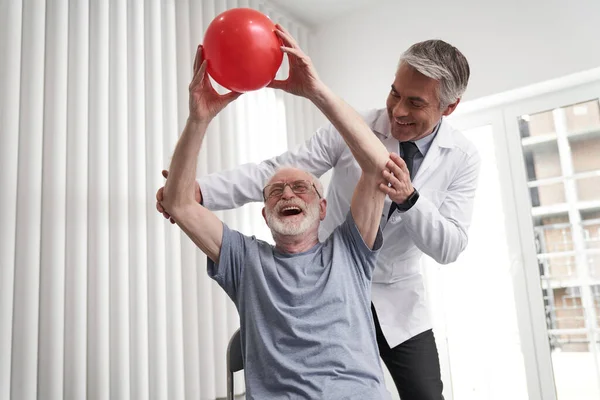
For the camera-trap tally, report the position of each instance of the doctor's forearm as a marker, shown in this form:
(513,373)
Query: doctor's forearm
(244,184)
(233,188)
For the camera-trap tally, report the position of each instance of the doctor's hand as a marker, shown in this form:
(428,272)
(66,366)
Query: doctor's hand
(159,197)
(398,186)
(303,79)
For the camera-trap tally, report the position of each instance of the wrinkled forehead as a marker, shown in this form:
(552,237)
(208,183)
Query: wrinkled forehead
(289,175)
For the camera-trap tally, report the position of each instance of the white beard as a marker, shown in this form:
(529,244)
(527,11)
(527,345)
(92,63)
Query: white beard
(283,227)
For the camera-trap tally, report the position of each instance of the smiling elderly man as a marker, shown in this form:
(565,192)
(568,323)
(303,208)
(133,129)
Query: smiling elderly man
(304,305)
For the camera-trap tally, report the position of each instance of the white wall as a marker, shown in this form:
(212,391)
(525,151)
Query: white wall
(509,43)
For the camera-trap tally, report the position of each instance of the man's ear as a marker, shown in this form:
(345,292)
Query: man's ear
(323,209)
(450,109)
(264,214)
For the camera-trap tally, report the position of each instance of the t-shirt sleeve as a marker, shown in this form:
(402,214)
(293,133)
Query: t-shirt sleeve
(364,257)
(228,271)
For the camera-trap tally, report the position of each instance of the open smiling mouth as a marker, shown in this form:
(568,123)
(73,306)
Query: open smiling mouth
(290,211)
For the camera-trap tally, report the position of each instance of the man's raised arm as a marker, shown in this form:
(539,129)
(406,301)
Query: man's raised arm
(178,198)
(370,153)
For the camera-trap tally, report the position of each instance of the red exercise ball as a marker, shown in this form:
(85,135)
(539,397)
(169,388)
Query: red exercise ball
(242,50)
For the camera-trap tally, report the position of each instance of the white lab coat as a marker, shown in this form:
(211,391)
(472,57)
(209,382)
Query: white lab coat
(436,225)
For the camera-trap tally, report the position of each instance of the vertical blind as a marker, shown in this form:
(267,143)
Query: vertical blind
(100,297)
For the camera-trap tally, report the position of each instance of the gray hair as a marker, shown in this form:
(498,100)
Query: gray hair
(312,177)
(443,62)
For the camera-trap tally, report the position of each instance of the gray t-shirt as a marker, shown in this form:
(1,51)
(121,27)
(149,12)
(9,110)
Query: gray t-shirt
(305,319)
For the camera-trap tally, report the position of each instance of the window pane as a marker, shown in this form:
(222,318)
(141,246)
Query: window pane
(557,267)
(586,153)
(596,294)
(591,233)
(574,364)
(553,234)
(540,124)
(588,189)
(582,116)
(547,195)
(561,151)
(593,260)
(542,161)
(569,315)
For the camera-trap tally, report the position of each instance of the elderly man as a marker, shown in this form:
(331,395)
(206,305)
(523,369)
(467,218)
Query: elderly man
(304,305)
(428,209)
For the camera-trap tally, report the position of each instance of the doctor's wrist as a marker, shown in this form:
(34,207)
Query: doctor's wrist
(410,201)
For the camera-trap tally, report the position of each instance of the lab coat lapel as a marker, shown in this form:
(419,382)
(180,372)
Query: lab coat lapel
(432,159)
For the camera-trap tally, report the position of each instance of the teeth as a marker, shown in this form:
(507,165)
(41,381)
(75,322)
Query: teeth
(290,208)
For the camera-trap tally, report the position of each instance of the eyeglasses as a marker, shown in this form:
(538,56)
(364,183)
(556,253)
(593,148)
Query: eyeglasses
(298,187)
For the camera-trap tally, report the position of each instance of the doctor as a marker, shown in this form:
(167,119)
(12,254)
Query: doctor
(428,208)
